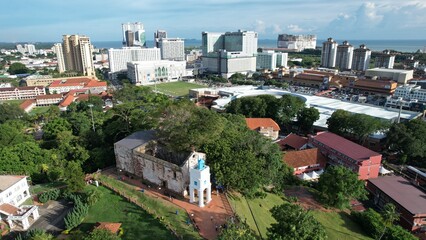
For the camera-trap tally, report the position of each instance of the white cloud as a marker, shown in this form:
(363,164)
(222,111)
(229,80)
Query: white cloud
(260,26)
(293,28)
(276,29)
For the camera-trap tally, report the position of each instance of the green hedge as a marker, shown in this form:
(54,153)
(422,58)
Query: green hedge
(49,195)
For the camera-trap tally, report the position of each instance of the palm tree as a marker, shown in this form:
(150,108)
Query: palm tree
(389,215)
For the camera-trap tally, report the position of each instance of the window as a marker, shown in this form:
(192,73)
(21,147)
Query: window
(174,174)
(195,183)
(19,198)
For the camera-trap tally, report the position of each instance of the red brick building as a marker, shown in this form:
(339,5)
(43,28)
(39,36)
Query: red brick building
(409,201)
(341,151)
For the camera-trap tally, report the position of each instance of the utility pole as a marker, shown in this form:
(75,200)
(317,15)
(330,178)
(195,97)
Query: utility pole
(91,113)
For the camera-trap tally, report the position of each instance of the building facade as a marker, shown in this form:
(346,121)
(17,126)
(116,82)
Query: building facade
(14,190)
(384,60)
(265,126)
(329,53)
(344,56)
(271,60)
(133,34)
(361,58)
(152,72)
(297,42)
(399,75)
(342,152)
(172,49)
(85,84)
(305,161)
(139,154)
(77,53)
(411,92)
(57,48)
(159,35)
(21,93)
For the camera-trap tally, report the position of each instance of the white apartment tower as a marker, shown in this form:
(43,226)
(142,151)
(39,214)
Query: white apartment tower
(385,60)
(328,53)
(271,60)
(133,34)
(172,49)
(361,58)
(159,35)
(344,56)
(57,48)
(77,52)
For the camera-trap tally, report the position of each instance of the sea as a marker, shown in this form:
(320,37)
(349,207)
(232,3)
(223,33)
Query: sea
(374,45)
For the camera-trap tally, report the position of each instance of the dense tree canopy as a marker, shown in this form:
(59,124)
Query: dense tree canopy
(293,222)
(306,118)
(10,112)
(236,231)
(407,140)
(338,185)
(358,126)
(18,68)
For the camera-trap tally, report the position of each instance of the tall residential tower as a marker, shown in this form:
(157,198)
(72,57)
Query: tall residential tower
(344,56)
(361,59)
(77,52)
(328,53)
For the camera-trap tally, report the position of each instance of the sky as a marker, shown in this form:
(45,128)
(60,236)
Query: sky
(48,20)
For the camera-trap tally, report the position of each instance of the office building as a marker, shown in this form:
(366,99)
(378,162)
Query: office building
(329,53)
(384,60)
(271,60)
(399,75)
(230,52)
(133,34)
(151,72)
(77,52)
(361,58)
(172,49)
(344,56)
(297,42)
(57,48)
(118,58)
(159,35)
(411,92)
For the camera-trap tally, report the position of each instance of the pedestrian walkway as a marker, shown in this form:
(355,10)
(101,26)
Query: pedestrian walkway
(207,219)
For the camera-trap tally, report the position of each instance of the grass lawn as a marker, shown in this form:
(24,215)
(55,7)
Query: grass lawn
(36,189)
(13,101)
(260,208)
(176,88)
(38,110)
(340,226)
(136,223)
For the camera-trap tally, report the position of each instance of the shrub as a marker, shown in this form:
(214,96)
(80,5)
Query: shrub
(77,215)
(49,195)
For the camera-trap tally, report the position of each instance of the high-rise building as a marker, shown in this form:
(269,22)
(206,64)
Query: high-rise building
(133,34)
(271,60)
(328,53)
(172,49)
(30,48)
(344,56)
(159,35)
(57,48)
(385,60)
(361,58)
(118,58)
(297,42)
(20,48)
(230,52)
(77,51)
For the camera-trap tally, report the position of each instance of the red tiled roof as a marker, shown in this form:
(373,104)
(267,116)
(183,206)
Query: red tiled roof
(95,83)
(344,146)
(255,123)
(26,104)
(8,209)
(402,192)
(86,82)
(112,227)
(302,158)
(67,101)
(293,141)
(50,96)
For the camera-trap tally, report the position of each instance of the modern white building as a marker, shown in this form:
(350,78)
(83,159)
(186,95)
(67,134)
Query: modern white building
(361,58)
(159,35)
(151,72)
(57,48)
(399,75)
(344,56)
(172,49)
(385,60)
(133,34)
(230,52)
(297,42)
(329,53)
(193,55)
(118,58)
(27,48)
(14,190)
(411,92)
(271,60)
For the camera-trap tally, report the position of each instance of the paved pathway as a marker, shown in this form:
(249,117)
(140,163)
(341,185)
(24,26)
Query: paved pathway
(206,219)
(52,216)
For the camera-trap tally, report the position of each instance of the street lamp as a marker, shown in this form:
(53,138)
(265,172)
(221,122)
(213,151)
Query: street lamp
(91,113)
(400,101)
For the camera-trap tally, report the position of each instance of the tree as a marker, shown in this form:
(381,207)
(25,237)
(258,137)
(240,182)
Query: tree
(18,68)
(235,231)
(10,112)
(237,76)
(101,234)
(293,222)
(338,185)
(74,177)
(389,216)
(54,127)
(306,118)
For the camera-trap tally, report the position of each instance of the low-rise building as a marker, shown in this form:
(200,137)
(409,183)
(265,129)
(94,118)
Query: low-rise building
(319,80)
(293,142)
(21,93)
(141,155)
(265,126)
(409,201)
(83,83)
(411,92)
(398,75)
(151,72)
(47,100)
(305,161)
(340,151)
(28,105)
(14,190)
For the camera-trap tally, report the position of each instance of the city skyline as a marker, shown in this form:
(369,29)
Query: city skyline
(48,20)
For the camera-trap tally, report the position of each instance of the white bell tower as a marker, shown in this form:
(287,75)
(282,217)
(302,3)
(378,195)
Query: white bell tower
(199,178)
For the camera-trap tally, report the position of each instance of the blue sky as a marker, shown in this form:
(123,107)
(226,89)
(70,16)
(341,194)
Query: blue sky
(48,20)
